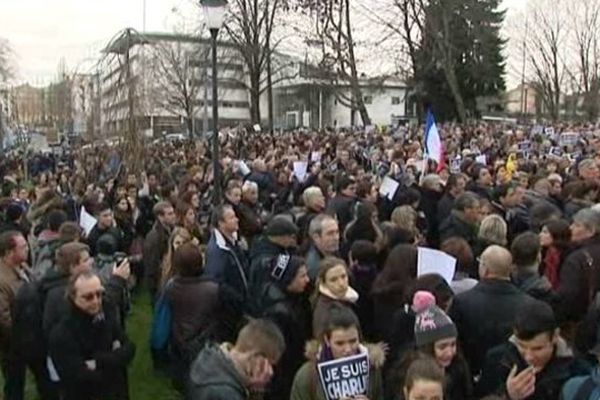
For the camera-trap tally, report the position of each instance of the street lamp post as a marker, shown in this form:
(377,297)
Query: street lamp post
(214,15)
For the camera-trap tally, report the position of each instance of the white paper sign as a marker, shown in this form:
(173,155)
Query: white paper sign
(537,130)
(549,131)
(455,165)
(482,159)
(388,188)
(87,221)
(569,139)
(430,261)
(300,169)
(244,168)
(256,128)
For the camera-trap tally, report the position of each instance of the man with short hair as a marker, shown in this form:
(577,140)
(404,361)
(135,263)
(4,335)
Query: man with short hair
(482,181)
(324,233)
(526,253)
(455,187)
(588,171)
(227,262)
(534,363)
(156,243)
(580,271)
(464,219)
(88,348)
(13,255)
(106,225)
(14,219)
(249,212)
(232,372)
(314,204)
(484,315)
(508,203)
(342,204)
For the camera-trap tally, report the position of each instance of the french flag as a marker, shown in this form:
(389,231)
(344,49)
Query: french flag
(434,148)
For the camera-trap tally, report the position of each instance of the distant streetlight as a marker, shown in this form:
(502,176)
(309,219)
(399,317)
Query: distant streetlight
(214,16)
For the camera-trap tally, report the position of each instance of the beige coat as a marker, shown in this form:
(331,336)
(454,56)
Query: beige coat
(10,282)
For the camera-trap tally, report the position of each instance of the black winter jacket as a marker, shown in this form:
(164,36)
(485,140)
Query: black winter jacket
(80,338)
(484,317)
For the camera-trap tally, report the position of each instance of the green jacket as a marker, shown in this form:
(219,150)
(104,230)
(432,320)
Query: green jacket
(307,386)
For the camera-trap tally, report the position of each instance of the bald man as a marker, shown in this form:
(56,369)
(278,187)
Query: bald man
(484,315)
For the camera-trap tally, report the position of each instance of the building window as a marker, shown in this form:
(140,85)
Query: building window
(368,99)
(395,101)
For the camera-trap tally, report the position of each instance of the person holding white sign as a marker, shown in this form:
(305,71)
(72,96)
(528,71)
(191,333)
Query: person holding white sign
(333,354)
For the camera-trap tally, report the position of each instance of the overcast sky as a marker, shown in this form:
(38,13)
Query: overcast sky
(43,31)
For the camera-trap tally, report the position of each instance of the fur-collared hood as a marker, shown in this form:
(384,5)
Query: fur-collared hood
(377,352)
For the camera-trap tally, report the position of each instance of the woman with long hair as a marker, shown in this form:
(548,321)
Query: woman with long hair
(391,285)
(178,237)
(124,220)
(555,238)
(332,287)
(187,218)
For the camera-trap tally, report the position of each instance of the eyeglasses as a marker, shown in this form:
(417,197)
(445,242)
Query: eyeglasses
(93,295)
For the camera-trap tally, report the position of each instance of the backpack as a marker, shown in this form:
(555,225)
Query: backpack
(27,318)
(260,274)
(581,389)
(160,333)
(44,259)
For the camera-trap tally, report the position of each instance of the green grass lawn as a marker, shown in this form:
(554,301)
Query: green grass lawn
(144,383)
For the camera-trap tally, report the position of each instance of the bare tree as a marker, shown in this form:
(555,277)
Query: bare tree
(251,30)
(546,54)
(124,89)
(174,74)
(333,33)
(585,22)
(418,23)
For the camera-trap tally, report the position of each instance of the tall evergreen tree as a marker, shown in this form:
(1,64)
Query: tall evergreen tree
(460,57)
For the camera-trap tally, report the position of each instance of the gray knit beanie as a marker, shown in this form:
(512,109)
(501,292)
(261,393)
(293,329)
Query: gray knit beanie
(431,323)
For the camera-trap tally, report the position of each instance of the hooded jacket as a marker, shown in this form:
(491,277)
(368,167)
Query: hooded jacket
(213,376)
(306,383)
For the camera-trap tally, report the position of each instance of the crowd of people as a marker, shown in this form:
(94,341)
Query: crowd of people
(307,259)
